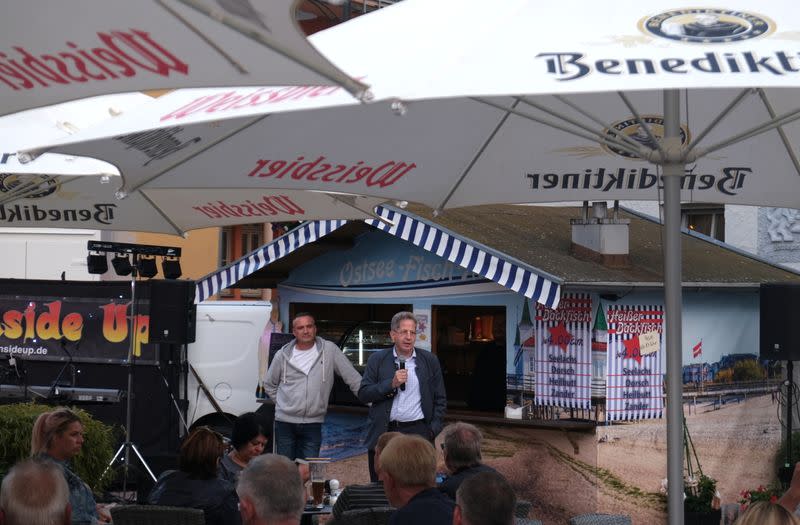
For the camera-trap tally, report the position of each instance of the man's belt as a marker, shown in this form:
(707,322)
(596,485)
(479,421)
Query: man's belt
(404,424)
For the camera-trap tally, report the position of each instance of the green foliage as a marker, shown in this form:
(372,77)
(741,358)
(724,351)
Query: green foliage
(748,370)
(700,498)
(16,424)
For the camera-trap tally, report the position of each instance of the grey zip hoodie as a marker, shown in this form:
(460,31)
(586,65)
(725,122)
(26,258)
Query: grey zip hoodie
(301,398)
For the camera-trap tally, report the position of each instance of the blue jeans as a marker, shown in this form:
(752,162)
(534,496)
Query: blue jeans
(298,440)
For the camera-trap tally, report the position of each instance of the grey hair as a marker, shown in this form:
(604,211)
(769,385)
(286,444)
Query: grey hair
(34,492)
(462,445)
(272,484)
(486,499)
(402,316)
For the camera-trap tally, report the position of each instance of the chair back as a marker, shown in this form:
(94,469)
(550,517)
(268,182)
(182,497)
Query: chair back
(600,519)
(367,516)
(527,521)
(156,515)
(523,508)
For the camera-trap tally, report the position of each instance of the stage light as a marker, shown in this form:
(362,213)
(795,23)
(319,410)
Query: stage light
(122,264)
(97,262)
(170,267)
(147,267)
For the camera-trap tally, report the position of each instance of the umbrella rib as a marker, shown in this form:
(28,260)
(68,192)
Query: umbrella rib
(577,124)
(786,143)
(477,155)
(752,132)
(346,201)
(194,154)
(356,88)
(642,123)
(169,221)
(594,137)
(719,118)
(597,120)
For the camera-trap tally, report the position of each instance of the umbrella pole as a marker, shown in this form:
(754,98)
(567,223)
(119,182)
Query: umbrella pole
(673,170)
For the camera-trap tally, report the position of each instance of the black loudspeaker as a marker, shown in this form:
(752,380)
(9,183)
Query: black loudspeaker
(780,311)
(173,314)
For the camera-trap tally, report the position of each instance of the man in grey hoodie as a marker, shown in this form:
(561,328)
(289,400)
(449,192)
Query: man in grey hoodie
(299,380)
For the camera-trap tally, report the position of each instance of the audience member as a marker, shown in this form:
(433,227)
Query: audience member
(485,499)
(461,449)
(58,436)
(766,513)
(271,491)
(195,484)
(35,492)
(248,439)
(369,495)
(408,472)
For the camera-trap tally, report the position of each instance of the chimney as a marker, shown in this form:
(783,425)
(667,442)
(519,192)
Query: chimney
(600,238)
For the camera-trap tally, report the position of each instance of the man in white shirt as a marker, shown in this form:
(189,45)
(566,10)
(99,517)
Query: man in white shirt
(405,386)
(299,380)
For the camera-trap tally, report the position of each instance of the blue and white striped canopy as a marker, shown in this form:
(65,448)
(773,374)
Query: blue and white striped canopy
(513,275)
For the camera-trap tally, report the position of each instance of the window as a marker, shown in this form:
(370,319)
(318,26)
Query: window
(704,218)
(235,242)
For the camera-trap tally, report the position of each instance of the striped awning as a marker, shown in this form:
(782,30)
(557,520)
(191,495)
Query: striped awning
(479,259)
(468,254)
(282,246)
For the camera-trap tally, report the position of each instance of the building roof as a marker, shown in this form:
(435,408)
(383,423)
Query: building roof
(540,237)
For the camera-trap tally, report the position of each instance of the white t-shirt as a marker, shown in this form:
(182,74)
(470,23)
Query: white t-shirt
(303,359)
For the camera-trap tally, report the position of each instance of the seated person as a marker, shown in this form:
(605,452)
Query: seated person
(408,472)
(35,491)
(485,499)
(58,436)
(271,491)
(369,495)
(461,448)
(195,484)
(766,513)
(248,439)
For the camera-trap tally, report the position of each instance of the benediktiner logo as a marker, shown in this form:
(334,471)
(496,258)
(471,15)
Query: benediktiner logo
(44,184)
(707,25)
(633,130)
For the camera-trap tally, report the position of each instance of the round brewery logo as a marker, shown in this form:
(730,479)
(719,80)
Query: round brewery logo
(707,26)
(39,185)
(636,132)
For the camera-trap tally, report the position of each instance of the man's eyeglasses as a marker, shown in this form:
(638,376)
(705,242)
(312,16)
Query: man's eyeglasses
(406,333)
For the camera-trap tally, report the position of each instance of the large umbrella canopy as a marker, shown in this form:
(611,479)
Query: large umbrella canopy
(52,51)
(538,102)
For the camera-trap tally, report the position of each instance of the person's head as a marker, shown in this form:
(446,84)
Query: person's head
(59,433)
(461,446)
(200,453)
(35,492)
(484,499)
(404,332)
(270,491)
(304,329)
(766,513)
(408,466)
(383,440)
(248,436)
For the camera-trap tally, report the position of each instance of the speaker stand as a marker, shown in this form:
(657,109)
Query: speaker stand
(128,446)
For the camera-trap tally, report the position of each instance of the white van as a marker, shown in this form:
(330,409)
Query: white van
(225,357)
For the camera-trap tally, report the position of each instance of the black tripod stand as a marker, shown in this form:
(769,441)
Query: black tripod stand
(128,446)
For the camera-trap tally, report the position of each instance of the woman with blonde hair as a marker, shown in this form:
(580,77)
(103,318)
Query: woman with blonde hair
(766,513)
(58,436)
(195,484)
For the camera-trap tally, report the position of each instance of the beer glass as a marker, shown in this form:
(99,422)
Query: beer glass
(317,472)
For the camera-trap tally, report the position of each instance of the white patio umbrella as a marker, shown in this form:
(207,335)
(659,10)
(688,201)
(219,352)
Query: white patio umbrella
(52,51)
(594,120)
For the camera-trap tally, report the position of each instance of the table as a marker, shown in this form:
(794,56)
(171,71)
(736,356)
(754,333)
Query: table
(311,510)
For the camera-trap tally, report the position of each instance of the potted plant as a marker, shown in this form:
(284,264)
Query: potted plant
(701,504)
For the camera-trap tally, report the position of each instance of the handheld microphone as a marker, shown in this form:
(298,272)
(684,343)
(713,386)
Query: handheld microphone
(402,367)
